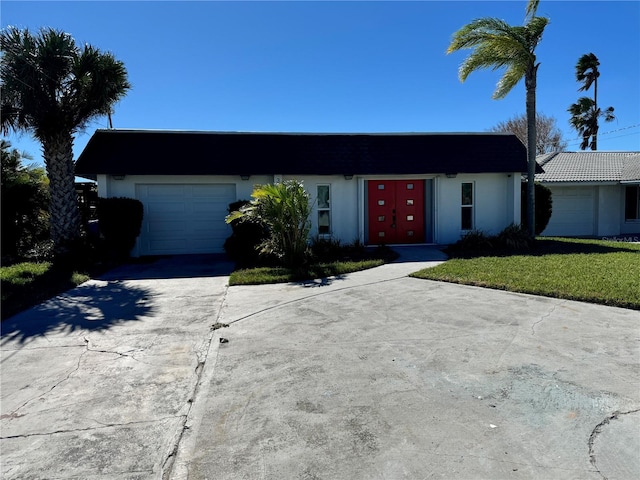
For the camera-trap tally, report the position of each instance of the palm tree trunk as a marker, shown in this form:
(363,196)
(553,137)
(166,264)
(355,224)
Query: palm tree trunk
(530,83)
(594,138)
(63,206)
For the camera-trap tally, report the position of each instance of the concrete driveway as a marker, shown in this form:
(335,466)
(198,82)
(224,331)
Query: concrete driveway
(373,375)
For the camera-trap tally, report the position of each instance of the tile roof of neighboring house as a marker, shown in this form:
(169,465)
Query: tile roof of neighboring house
(596,166)
(149,152)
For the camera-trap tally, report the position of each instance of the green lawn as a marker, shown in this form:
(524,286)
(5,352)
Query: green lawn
(263,275)
(587,270)
(26,284)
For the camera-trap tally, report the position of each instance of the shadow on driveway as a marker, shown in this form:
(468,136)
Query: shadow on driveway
(117,297)
(93,306)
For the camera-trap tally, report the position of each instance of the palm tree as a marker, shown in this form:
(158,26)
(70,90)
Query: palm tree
(285,209)
(52,88)
(498,45)
(585,112)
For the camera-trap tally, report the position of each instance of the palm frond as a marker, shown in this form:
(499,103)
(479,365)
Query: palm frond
(532,8)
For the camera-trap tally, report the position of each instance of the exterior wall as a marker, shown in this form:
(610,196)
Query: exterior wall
(496,200)
(109,187)
(343,203)
(496,204)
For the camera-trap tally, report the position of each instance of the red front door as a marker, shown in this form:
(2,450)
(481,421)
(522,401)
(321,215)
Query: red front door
(396,211)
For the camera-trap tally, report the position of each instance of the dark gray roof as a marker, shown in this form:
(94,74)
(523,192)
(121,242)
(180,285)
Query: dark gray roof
(605,167)
(149,152)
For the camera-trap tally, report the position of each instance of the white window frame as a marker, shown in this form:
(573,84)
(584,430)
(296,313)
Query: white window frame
(471,206)
(324,209)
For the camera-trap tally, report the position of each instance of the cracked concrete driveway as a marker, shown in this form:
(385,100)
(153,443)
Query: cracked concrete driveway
(372,375)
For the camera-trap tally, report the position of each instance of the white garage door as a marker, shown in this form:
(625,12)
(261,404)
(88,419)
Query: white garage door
(184,218)
(573,212)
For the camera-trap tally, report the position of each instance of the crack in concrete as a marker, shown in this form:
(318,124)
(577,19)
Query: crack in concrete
(202,355)
(89,429)
(87,341)
(596,431)
(545,316)
(40,395)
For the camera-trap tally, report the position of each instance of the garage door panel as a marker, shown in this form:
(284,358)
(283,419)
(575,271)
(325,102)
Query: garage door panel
(573,212)
(184,218)
(222,193)
(166,227)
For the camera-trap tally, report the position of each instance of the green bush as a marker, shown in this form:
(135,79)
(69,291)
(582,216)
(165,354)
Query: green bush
(327,249)
(543,206)
(514,238)
(285,209)
(24,202)
(120,221)
(247,234)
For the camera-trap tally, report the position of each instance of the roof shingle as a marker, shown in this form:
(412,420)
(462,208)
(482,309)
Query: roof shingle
(589,167)
(149,152)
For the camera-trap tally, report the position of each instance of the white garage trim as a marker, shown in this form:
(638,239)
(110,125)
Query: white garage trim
(184,218)
(574,212)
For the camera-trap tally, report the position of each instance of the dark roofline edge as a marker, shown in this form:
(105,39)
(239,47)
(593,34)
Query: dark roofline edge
(246,132)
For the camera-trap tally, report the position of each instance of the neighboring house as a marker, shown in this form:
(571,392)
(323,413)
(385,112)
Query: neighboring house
(375,188)
(595,194)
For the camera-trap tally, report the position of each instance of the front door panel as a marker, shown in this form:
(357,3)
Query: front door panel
(409,211)
(396,211)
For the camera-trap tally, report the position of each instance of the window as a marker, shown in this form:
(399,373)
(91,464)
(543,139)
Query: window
(467,207)
(632,202)
(324,210)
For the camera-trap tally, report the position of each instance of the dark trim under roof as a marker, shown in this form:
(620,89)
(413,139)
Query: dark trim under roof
(149,152)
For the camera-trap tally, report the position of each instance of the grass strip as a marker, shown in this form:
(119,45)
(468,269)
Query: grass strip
(265,275)
(26,284)
(594,271)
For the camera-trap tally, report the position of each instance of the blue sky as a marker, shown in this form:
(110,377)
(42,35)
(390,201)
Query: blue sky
(339,66)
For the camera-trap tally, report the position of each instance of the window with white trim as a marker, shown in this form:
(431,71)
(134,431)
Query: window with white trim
(466,207)
(632,202)
(324,210)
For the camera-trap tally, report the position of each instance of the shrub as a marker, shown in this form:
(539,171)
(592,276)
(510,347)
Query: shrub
(327,249)
(120,221)
(514,237)
(243,245)
(473,241)
(285,209)
(543,206)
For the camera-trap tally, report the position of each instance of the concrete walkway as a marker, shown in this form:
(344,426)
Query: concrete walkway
(371,375)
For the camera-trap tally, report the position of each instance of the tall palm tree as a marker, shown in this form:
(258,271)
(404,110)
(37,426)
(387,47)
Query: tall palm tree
(585,112)
(496,44)
(52,88)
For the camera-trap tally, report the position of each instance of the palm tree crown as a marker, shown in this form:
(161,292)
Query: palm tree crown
(585,113)
(53,88)
(497,45)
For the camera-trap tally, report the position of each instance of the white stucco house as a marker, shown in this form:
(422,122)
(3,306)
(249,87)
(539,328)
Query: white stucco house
(595,194)
(395,188)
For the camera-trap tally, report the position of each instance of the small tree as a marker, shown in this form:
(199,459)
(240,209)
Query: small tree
(285,209)
(25,200)
(548,135)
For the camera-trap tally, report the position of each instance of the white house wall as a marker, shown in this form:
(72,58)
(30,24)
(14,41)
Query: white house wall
(496,204)
(343,203)
(496,199)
